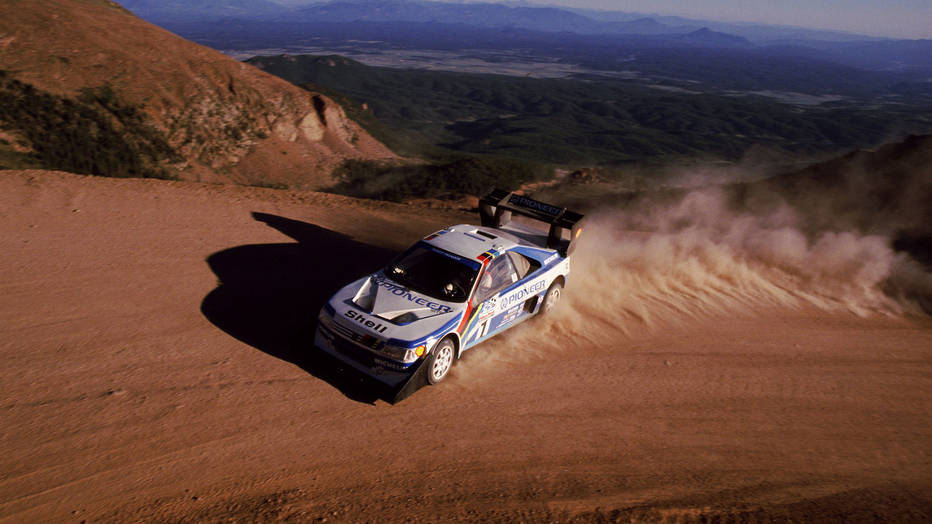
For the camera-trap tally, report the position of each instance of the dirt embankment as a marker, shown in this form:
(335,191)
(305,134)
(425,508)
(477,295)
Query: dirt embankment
(719,365)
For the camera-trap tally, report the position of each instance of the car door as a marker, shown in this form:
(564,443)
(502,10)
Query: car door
(496,285)
(520,298)
(498,275)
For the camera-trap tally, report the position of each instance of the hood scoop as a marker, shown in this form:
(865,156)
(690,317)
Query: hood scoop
(365,297)
(396,308)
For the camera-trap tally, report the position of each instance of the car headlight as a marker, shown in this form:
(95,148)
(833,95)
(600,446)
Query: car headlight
(406,355)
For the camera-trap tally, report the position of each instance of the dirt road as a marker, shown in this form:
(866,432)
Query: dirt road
(156,368)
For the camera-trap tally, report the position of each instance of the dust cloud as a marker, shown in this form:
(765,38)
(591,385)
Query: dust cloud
(697,257)
(645,267)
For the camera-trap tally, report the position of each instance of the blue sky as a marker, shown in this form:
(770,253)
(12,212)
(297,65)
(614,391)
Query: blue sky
(894,18)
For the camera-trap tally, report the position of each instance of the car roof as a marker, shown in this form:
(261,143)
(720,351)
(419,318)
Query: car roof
(471,241)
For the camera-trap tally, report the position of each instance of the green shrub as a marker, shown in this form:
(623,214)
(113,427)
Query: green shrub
(457,177)
(93,133)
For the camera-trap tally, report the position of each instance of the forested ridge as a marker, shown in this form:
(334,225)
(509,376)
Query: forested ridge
(593,121)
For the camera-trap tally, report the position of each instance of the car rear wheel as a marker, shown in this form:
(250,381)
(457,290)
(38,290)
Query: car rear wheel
(552,297)
(440,361)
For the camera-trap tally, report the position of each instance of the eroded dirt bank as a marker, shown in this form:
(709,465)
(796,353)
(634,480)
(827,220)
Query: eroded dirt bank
(151,335)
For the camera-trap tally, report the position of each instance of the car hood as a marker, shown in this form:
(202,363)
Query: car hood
(397,311)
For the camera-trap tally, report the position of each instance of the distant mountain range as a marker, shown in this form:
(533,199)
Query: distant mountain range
(404,19)
(538,18)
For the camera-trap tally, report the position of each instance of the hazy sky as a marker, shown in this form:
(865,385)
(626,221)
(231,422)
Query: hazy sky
(896,18)
(893,18)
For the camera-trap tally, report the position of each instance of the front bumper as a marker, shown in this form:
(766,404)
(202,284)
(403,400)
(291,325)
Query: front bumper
(387,371)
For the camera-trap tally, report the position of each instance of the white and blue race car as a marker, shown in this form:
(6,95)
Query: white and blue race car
(450,291)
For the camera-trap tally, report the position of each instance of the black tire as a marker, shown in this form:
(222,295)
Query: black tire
(551,298)
(440,361)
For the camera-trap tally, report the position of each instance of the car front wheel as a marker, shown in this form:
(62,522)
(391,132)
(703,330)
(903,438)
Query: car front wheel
(440,361)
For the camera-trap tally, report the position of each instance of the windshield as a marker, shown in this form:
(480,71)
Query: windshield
(434,272)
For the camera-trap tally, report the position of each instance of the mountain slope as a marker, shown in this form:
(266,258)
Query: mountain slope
(884,191)
(229,121)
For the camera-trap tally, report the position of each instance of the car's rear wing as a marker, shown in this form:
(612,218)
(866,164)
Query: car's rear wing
(495,210)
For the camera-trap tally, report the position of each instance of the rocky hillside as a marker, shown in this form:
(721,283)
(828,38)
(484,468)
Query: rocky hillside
(224,120)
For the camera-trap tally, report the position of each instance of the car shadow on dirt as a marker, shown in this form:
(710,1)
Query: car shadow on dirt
(269,295)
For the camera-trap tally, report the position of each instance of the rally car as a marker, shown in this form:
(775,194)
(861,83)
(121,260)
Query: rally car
(450,291)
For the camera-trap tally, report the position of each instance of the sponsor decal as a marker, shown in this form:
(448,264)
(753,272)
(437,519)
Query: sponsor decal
(400,291)
(487,256)
(550,259)
(449,255)
(435,235)
(530,203)
(511,314)
(523,293)
(361,319)
(488,309)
